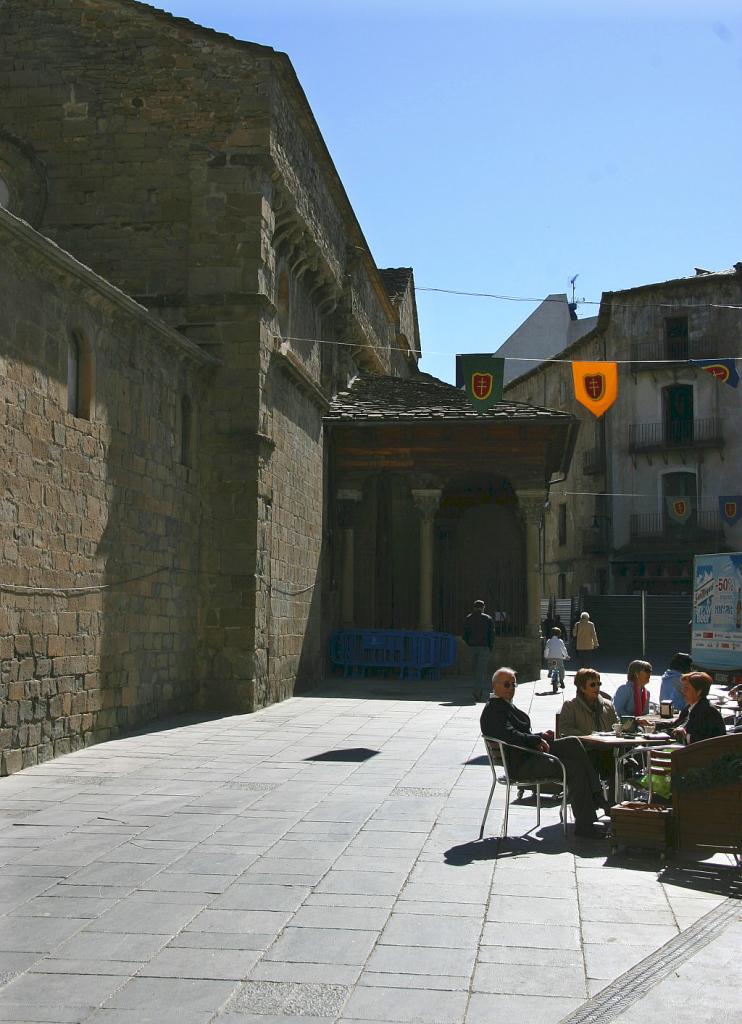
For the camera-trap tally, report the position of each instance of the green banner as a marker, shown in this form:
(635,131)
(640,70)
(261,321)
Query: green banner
(482,376)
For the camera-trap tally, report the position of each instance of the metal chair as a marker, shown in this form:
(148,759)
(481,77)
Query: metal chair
(659,765)
(496,752)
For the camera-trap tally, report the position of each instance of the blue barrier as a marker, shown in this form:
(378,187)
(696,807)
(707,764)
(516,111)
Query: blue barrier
(409,651)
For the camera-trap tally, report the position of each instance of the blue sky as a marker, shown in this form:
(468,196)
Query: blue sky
(506,146)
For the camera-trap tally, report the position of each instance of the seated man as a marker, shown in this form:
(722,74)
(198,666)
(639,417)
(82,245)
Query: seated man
(503,721)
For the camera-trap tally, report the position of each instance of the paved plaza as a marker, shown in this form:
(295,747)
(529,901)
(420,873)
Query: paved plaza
(318,862)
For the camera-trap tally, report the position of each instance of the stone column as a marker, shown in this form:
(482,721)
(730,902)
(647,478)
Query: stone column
(531,505)
(347,498)
(426,501)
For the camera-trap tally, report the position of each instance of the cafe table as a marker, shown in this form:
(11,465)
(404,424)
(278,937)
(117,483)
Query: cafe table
(621,745)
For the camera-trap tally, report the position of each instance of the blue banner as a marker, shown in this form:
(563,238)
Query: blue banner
(725,370)
(730,508)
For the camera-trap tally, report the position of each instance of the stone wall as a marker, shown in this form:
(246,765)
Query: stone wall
(91,502)
(187,168)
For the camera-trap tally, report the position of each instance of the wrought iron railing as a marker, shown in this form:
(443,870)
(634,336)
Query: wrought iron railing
(677,434)
(594,543)
(676,349)
(702,523)
(593,460)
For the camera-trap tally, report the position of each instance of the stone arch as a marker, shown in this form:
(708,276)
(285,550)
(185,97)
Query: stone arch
(25,178)
(480,552)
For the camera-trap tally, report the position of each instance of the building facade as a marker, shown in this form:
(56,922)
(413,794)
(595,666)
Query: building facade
(186,168)
(673,433)
(186,297)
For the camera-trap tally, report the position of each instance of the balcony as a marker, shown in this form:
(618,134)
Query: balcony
(703,527)
(593,461)
(697,433)
(594,543)
(649,355)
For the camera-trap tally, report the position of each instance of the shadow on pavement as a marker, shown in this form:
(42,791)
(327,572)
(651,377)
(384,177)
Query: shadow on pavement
(549,841)
(453,692)
(719,879)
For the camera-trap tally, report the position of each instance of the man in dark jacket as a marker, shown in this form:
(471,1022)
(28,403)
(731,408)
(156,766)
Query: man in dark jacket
(478,635)
(503,721)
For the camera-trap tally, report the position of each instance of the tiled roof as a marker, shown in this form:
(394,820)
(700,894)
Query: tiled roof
(374,398)
(395,280)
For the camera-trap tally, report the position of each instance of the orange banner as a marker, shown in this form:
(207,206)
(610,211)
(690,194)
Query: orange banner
(596,385)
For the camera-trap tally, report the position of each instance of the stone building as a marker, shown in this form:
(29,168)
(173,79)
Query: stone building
(673,431)
(186,291)
(100,506)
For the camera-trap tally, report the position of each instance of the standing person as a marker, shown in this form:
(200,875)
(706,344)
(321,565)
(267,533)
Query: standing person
(556,652)
(632,697)
(478,635)
(586,639)
(503,721)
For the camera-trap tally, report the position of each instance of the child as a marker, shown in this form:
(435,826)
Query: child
(555,652)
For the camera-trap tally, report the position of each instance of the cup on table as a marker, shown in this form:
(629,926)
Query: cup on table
(617,728)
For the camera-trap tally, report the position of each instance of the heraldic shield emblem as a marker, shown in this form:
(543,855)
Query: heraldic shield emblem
(679,508)
(482,376)
(596,385)
(730,508)
(724,370)
(481,385)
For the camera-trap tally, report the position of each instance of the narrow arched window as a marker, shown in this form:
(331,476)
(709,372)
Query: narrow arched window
(73,374)
(80,376)
(283,303)
(185,430)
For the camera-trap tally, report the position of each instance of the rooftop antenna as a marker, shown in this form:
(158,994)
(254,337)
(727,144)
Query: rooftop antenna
(572,282)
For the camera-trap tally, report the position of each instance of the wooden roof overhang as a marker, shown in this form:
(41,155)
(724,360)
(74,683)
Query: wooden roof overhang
(526,451)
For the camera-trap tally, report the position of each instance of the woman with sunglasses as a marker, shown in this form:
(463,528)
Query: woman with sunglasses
(588,712)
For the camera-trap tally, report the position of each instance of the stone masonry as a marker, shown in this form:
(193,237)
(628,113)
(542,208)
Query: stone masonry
(186,168)
(88,503)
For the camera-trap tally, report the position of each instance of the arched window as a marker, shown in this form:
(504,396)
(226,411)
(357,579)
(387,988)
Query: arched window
(73,375)
(283,303)
(79,376)
(4,194)
(185,430)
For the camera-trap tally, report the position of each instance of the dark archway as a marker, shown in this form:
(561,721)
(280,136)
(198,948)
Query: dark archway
(480,553)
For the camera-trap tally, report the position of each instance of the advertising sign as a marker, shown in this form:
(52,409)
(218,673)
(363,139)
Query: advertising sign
(717,611)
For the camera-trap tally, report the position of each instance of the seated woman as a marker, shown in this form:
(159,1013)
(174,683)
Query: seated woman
(588,712)
(699,720)
(671,688)
(632,697)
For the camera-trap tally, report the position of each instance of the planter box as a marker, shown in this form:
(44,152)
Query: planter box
(642,825)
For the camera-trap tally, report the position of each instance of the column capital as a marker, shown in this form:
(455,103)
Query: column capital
(349,494)
(427,500)
(348,499)
(531,505)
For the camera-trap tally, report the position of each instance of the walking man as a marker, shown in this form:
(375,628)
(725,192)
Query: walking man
(478,635)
